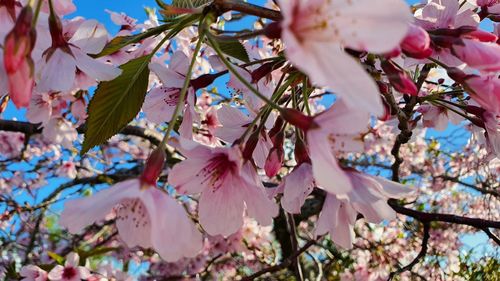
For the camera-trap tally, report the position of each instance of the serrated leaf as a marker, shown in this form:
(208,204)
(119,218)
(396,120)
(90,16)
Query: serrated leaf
(121,41)
(115,103)
(190,3)
(184,4)
(233,48)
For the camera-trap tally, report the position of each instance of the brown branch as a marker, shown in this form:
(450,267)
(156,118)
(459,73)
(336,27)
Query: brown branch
(421,254)
(491,235)
(404,115)
(448,218)
(247,8)
(30,129)
(286,263)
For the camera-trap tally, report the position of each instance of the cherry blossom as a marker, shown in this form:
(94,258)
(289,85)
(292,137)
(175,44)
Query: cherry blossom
(57,68)
(161,101)
(71,271)
(33,273)
(226,185)
(145,215)
(368,197)
(338,129)
(314,33)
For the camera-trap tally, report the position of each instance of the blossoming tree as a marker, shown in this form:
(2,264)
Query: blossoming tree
(232,140)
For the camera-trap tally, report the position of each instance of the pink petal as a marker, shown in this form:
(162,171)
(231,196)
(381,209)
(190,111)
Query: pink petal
(84,211)
(94,68)
(173,234)
(296,187)
(58,73)
(258,205)
(326,170)
(221,210)
(374,26)
(328,65)
(90,37)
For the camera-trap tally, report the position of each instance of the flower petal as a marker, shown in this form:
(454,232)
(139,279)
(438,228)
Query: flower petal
(84,211)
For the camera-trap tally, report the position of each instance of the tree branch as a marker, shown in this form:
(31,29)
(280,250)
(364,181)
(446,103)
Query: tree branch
(247,8)
(429,217)
(30,129)
(286,263)
(421,254)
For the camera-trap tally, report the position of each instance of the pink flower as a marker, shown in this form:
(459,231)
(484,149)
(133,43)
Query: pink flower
(18,63)
(234,123)
(481,55)
(445,14)
(438,117)
(486,91)
(57,68)
(338,129)
(146,216)
(67,169)
(33,273)
(71,271)
(296,187)
(11,143)
(368,197)
(60,131)
(160,102)
(314,33)
(226,185)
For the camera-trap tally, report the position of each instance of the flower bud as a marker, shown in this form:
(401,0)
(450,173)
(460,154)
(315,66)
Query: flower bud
(154,167)
(301,154)
(399,79)
(456,74)
(417,43)
(18,63)
(274,161)
(482,36)
(298,119)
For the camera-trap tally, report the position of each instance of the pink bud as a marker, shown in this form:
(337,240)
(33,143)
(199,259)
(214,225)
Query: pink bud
(482,36)
(456,74)
(17,58)
(301,154)
(298,119)
(274,161)
(154,167)
(417,43)
(480,55)
(399,79)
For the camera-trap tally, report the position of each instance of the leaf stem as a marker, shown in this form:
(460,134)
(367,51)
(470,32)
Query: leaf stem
(182,95)
(229,66)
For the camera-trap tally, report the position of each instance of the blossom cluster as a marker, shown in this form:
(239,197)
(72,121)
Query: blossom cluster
(320,133)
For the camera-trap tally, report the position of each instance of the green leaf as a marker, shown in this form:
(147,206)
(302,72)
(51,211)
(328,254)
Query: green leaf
(56,257)
(233,48)
(121,41)
(116,103)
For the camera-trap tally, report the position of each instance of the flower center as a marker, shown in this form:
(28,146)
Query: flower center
(69,273)
(217,169)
